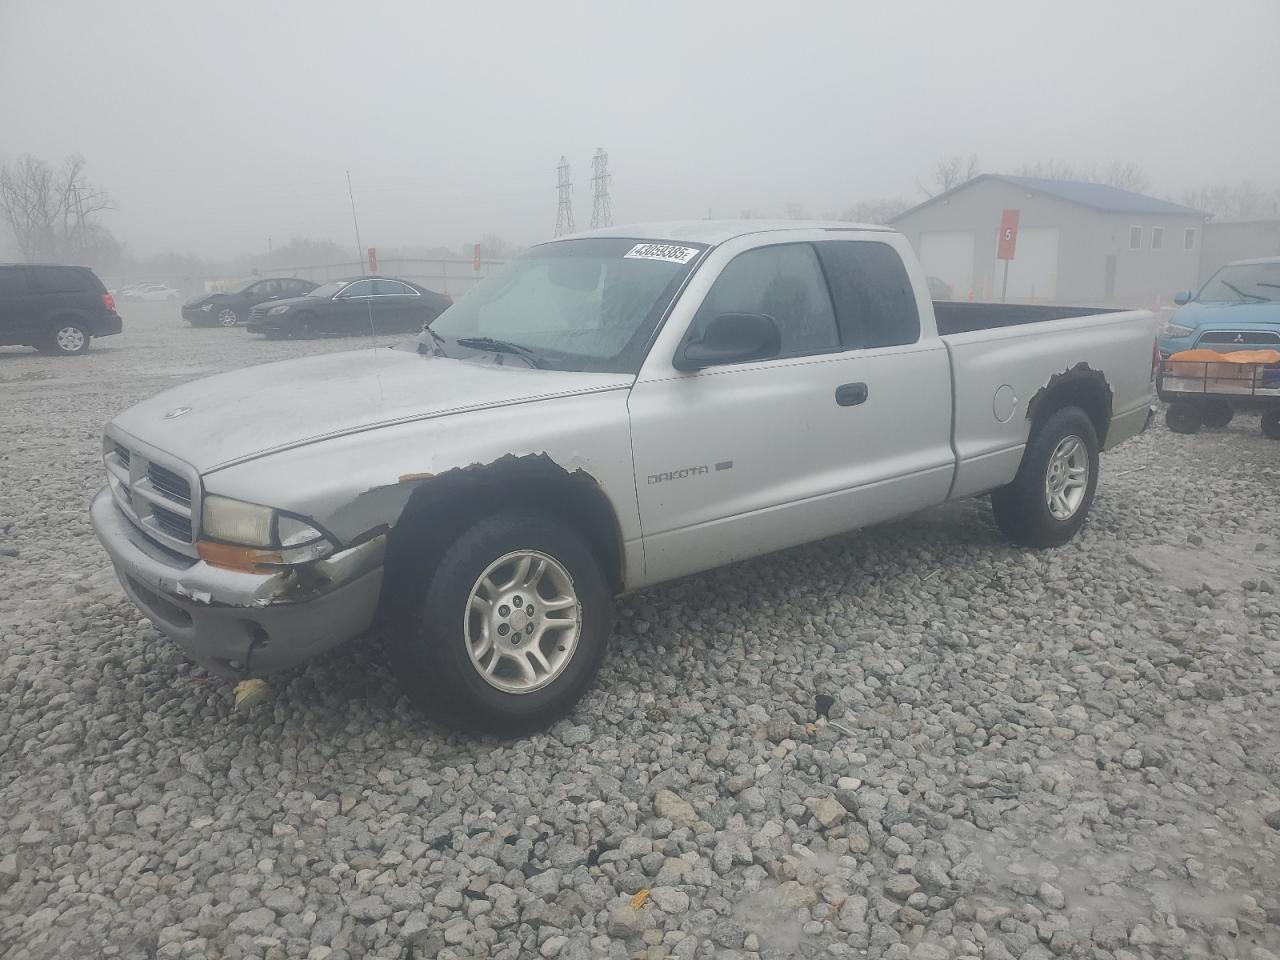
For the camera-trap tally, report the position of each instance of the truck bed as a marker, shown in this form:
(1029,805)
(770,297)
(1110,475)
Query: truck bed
(962,316)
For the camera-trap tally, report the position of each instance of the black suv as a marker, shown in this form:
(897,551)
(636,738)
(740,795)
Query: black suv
(232,306)
(54,308)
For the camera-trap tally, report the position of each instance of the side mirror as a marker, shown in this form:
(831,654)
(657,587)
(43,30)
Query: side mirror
(1182,297)
(729,338)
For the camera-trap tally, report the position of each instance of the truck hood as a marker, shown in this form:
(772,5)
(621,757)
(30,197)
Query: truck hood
(238,416)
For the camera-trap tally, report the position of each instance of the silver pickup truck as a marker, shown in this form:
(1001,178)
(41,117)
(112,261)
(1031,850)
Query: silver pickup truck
(610,411)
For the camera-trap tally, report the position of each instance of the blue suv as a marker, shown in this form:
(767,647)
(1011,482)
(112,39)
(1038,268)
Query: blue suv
(1238,308)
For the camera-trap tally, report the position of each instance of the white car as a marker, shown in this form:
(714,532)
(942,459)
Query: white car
(609,411)
(152,291)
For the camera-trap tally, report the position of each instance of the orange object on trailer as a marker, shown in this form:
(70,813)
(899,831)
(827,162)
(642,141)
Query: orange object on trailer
(1203,355)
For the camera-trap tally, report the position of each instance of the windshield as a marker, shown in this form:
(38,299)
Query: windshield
(242,286)
(1243,283)
(587,304)
(327,290)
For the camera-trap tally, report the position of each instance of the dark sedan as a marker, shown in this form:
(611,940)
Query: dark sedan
(359,305)
(232,306)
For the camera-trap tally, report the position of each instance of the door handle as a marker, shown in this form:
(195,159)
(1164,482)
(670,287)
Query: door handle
(851,394)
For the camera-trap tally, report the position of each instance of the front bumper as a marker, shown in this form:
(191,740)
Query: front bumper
(225,620)
(198,317)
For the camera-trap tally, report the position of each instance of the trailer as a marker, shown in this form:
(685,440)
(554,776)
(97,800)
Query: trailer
(1206,388)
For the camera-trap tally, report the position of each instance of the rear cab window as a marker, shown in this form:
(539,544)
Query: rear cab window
(874,299)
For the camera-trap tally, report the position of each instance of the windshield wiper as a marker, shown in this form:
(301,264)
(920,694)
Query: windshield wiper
(1240,293)
(501,346)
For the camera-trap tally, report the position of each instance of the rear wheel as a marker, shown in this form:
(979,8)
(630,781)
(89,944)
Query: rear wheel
(67,339)
(1049,498)
(1271,424)
(1183,416)
(1217,414)
(508,630)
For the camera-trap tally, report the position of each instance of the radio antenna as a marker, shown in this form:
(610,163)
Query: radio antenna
(360,258)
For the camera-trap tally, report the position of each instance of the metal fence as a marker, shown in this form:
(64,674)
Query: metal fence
(454,277)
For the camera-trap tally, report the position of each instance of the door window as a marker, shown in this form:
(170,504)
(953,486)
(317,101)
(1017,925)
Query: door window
(361,288)
(784,282)
(875,302)
(13,282)
(392,288)
(59,279)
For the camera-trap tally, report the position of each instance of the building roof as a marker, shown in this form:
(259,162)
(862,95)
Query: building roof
(717,231)
(1098,196)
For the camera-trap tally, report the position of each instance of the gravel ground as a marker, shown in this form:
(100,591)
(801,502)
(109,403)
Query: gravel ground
(912,742)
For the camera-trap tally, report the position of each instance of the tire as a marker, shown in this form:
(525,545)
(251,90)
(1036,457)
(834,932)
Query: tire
(1271,423)
(1216,414)
(1024,509)
(1183,416)
(68,338)
(433,626)
(303,325)
(228,317)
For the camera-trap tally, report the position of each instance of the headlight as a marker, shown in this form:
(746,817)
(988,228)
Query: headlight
(275,310)
(206,307)
(251,537)
(1177,330)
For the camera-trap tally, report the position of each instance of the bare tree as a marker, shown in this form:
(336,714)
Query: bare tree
(1232,201)
(1049,170)
(949,172)
(1125,175)
(794,211)
(871,211)
(1118,173)
(52,212)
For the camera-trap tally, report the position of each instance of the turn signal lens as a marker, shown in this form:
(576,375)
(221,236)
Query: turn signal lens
(230,557)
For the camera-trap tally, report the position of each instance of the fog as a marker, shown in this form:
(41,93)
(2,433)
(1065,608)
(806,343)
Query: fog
(212,131)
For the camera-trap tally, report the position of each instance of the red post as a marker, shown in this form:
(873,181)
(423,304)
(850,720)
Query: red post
(475,258)
(373,259)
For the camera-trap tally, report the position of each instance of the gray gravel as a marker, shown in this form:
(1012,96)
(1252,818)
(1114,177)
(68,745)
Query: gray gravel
(915,742)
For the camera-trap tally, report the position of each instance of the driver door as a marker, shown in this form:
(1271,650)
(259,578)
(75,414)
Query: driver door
(744,458)
(351,310)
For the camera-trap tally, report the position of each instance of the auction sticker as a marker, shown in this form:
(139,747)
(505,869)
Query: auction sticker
(669,252)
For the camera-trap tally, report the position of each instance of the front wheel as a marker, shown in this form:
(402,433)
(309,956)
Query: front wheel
(510,628)
(1050,496)
(227,317)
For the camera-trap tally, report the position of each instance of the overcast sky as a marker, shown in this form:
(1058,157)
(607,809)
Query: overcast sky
(216,125)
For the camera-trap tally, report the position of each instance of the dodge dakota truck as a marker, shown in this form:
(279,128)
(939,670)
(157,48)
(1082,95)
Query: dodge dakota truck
(609,411)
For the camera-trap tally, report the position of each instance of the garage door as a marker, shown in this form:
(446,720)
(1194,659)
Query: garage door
(1033,271)
(948,255)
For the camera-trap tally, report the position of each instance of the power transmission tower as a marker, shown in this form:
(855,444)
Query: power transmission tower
(601,211)
(564,190)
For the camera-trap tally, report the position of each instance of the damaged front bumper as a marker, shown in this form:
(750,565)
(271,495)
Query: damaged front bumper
(237,624)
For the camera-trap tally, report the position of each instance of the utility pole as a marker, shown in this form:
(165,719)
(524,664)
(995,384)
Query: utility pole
(601,210)
(564,192)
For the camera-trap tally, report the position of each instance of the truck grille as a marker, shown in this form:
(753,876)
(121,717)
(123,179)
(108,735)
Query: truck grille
(174,487)
(158,494)
(1242,338)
